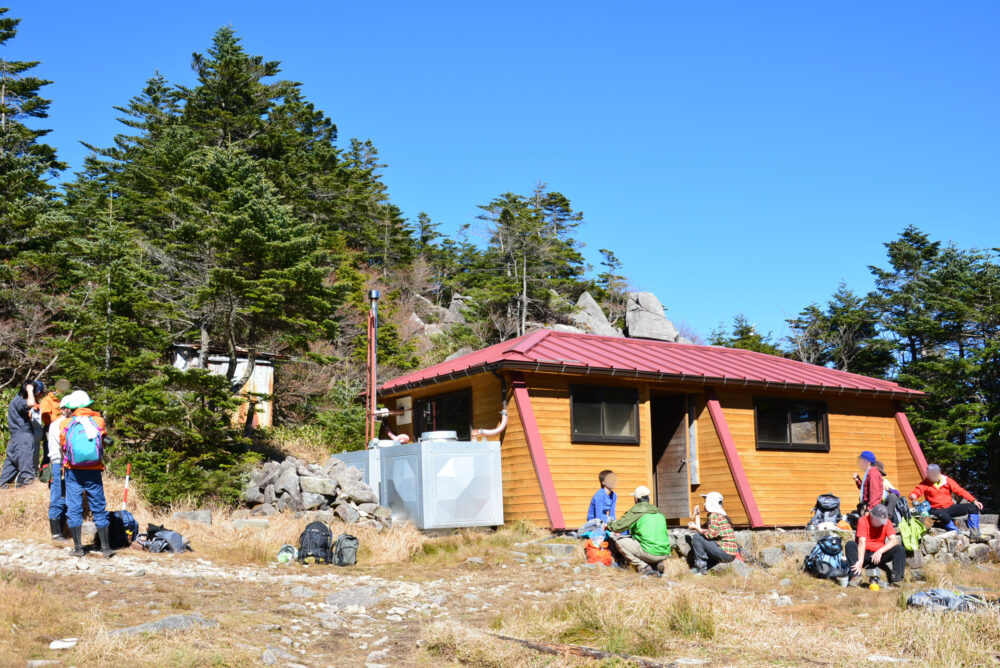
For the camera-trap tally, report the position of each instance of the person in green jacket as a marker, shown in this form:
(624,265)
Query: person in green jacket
(648,546)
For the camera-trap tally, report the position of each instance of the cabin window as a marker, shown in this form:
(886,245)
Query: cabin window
(446,412)
(604,415)
(791,425)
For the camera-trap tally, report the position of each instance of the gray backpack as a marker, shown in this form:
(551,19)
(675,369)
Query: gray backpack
(168,541)
(345,550)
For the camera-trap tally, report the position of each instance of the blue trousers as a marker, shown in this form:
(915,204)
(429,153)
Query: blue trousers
(78,483)
(57,502)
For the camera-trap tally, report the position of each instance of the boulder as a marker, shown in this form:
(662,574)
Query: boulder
(264,510)
(269,495)
(251,523)
(978,552)
(196,516)
(348,475)
(311,501)
(382,513)
(288,481)
(268,474)
(645,318)
(930,545)
(333,466)
(368,508)
(301,591)
(272,655)
(736,566)
(323,516)
(171,623)
(252,493)
(799,549)
(361,596)
(772,556)
(590,317)
(358,492)
(428,311)
(347,512)
(458,304)
(916,560)
(568,329)
(461,352)
(321,486)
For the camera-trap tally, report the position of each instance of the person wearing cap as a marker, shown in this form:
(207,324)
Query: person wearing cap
(84,479)
(20,467)
(57,494)
(938,489)
(869,481)
(50,411)
(715,544)
(648,544)
(876,545)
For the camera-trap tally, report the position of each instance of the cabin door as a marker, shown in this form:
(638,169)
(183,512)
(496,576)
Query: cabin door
(668,419)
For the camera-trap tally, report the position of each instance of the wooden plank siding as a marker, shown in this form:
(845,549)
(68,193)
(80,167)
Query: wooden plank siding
(785,483)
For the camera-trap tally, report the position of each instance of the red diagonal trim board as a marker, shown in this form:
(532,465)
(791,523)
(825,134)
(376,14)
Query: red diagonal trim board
(911,441)
(733,458)
(537,450)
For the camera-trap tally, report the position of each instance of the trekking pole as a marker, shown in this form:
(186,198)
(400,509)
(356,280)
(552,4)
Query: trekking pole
(128,473)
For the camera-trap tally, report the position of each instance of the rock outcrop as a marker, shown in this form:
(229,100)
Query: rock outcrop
(589,317)
(334,487)
(646,319)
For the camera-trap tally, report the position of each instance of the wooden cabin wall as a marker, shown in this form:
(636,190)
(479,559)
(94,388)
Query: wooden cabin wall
(575,466)
(714,470)
(486,401)
(786,483)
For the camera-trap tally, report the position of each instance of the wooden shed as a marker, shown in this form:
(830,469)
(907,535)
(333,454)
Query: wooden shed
(769,433)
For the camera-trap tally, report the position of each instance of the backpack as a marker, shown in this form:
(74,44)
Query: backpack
(345,550)
(827,559)
(598,552)
(166,540)
(80,449)
(827,509)
(945,599)
(123,529)
(314,544)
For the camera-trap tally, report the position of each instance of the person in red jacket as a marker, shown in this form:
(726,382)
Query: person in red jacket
(869,481)
(938,489)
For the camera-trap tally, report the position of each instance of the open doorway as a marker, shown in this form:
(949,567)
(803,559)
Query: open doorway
(668,419)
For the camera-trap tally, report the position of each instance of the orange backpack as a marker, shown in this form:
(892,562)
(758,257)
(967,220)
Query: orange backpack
(598,554)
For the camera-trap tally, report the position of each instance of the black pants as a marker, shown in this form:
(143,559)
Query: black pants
(894,559)
(706,553)
(946,515)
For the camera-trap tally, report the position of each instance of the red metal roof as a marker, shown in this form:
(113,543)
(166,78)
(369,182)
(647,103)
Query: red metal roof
(547,350)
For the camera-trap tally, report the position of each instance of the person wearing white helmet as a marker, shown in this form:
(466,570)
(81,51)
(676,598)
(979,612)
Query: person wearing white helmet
(648,545)
(82,444)
(715,544)
(57,493)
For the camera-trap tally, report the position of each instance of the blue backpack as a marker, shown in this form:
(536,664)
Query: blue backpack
(80,449)
(827,559)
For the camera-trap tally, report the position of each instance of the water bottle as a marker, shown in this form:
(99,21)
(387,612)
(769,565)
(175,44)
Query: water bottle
(875,583)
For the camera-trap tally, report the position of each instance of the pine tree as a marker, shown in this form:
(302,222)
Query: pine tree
(744,335)
(26,162)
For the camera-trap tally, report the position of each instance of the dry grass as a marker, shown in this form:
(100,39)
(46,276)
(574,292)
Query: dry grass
(453,643)
(490,546)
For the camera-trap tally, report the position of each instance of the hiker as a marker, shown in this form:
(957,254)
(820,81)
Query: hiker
(715,544)
(50,412)
(869,482)
(892,498)
(57,494)
(21,464)
(648,546)
(938,489)
(605,501)
(86,428)
(876,545)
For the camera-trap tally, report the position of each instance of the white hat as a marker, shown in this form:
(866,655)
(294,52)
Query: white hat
(641,492)
(77,399)
(64,402)
(713,503)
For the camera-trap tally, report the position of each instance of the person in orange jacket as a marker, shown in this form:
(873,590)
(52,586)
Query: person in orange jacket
(938,489)
(82,449)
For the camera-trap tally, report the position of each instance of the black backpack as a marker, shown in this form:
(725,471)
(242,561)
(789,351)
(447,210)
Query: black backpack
(827,509)
(827,559)
(122,529)
(314,544)
(345,550)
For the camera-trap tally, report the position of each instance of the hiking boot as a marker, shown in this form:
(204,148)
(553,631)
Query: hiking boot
(662,567)
(77,532)
(55,528)
(649,572)
(102,534)
(855,581)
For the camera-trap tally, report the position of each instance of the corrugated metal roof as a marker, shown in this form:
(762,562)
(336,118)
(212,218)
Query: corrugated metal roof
(591,354)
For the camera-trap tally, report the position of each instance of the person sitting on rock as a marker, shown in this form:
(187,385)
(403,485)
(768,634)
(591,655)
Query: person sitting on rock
(715,544)
(648,546)
(876,545)
(938,489)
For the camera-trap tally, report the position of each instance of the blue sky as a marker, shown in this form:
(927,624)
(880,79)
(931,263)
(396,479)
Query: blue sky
(738,157)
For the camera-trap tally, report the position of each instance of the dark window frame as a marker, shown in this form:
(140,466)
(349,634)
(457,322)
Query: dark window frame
(603,438)
(789,445)
(418,417)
